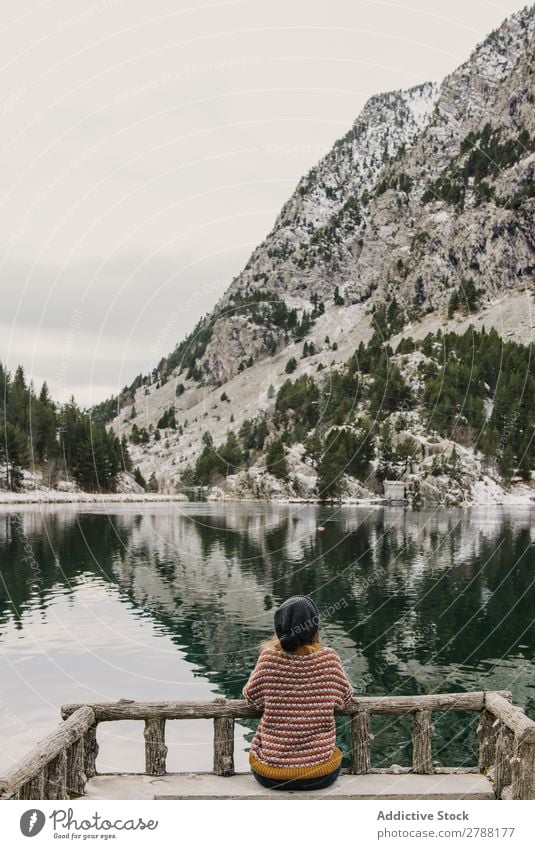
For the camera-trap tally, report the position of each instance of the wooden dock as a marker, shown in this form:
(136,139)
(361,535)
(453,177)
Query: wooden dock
(63,765)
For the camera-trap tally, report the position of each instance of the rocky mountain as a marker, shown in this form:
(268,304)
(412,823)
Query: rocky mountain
(419,220)
(416,197)
(313,243)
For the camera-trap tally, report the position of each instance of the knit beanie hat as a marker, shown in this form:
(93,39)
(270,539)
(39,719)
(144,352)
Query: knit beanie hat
(296,621)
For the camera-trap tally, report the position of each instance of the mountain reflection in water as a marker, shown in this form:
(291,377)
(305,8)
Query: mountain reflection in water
(171,600)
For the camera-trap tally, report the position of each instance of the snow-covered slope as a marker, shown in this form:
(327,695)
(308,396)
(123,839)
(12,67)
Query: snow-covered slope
(330,196)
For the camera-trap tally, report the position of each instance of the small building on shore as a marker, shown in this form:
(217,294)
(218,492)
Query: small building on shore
(395,492)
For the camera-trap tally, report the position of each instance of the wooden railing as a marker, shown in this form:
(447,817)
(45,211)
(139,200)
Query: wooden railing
(60,765)
(507,748)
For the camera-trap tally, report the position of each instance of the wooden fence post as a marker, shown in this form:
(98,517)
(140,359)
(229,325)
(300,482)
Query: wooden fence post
(504,754)
(56,777)
(422,731)
(523,769)
(34,789)
(361,737)
(90,748)
(155,748)
(487,731)
(76,778)
(224,745)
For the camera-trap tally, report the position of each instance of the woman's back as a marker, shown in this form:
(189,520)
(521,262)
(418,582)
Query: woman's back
(298,692)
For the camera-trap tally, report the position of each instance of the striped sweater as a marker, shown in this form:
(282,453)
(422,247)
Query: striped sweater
(297,692)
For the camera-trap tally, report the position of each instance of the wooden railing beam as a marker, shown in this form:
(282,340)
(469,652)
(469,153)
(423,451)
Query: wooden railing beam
(240,709)
(513,717)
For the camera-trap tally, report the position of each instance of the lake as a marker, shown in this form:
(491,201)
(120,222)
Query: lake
(170,600)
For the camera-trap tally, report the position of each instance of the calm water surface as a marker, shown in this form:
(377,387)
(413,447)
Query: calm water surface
(170,601)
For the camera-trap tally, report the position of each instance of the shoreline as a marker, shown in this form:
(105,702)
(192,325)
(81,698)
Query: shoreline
(59,497)
(46,497)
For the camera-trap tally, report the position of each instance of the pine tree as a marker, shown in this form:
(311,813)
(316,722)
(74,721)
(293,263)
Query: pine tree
(313,447)
(246,434)
(407,453)
(70,431)
(83,463)
(453,303)
(386,454)
(329,482)
(506,463)
(338,299)
(139,479)
(261,433)
(44,427)
(14,454)
(18,401)
(125,455)
(231,453)
(276,462)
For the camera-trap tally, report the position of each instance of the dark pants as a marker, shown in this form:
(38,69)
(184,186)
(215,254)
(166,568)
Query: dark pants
(298,783)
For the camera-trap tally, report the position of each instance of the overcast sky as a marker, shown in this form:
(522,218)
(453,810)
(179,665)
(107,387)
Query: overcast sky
(146,148)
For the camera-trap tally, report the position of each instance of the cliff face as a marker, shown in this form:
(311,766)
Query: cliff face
(429,193)
(313,243)
(316,238)
(464,215)
(428,188)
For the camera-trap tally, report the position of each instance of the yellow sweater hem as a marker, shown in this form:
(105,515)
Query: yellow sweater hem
(284,772)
